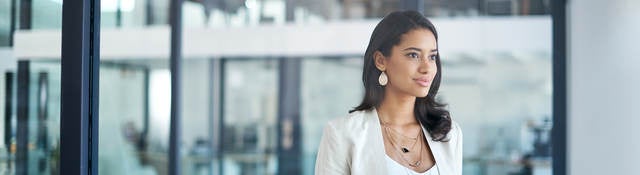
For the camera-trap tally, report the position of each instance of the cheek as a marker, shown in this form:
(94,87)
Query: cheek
(402,72)
(434,67)
(395,76)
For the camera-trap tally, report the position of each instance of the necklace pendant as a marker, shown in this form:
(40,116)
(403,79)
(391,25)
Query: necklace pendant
(405,150)
(417,164)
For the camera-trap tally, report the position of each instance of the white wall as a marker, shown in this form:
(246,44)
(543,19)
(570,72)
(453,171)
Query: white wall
(603,101)
(294,40)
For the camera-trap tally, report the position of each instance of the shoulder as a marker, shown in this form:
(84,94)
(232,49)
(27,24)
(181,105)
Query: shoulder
(453,145)
(356,117)
(352,124)
(453,140)
(454,137)
(336,149)
(456,132)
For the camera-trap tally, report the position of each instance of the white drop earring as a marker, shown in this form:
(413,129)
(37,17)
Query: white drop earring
(383,79)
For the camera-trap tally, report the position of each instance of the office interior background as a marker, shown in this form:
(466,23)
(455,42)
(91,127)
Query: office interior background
(248,64)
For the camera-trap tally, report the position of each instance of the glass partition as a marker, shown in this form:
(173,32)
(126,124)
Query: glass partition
(502,101)
(330,86)
(249,99)
(123,145)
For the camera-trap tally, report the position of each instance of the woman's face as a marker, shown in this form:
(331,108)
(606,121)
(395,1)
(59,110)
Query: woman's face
(411,66)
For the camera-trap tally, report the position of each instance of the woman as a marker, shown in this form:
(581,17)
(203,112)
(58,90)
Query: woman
(399,128)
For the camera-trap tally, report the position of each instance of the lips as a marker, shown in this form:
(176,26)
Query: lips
(425,82)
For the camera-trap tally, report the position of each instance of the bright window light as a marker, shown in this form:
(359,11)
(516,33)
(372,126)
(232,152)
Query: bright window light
(112,5)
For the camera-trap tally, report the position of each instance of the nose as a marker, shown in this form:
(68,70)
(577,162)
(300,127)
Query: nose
(426,66)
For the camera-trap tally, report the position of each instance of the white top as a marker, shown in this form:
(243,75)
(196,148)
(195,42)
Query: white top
(353,145)
(394,168)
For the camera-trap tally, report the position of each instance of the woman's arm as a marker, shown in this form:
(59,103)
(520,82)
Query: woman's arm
(333,153)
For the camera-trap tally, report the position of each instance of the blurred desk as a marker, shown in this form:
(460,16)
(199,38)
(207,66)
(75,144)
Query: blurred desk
(251,163)
(497,165)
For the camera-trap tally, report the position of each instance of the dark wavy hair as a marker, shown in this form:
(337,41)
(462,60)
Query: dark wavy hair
(429,112)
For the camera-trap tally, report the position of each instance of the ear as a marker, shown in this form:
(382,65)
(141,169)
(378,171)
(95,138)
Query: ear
(380,60)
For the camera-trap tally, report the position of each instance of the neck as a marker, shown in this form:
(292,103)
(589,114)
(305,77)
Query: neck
(397,109)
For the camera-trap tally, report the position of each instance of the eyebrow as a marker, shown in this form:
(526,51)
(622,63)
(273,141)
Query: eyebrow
(420,50)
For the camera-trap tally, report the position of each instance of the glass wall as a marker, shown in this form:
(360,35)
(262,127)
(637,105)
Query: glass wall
(199,118)
(7,103)
(135,91)
(257,12)
(42,120)
(230,117)
(249,102)
(31,117)
(123,147)
(502,101)
(134,116)
(46,14)
(331,86)
(30,95)
(5,22)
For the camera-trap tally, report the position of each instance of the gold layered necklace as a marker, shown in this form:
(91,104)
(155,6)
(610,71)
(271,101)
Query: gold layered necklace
(403,148)
(400,149)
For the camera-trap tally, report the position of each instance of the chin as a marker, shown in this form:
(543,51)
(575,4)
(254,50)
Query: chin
(422,94)
(417,92)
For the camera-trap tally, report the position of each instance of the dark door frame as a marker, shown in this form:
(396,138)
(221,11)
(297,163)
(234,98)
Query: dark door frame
(559,64)
(80,66)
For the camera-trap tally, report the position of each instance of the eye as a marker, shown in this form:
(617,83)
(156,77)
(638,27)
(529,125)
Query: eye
(433,57)
(413,55)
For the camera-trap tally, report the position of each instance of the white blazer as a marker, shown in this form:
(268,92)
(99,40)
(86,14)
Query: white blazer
(354,145)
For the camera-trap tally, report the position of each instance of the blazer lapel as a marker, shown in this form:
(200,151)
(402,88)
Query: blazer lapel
(376,143)
(436,150)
